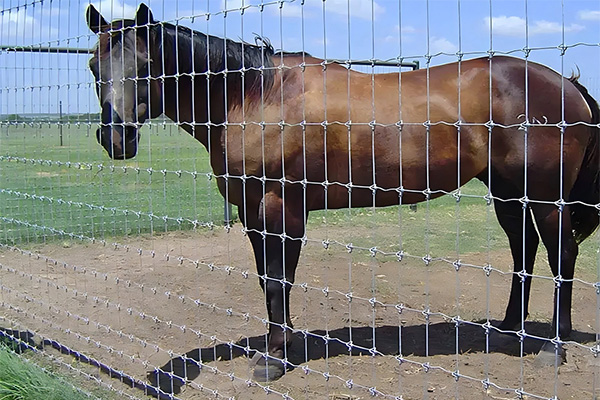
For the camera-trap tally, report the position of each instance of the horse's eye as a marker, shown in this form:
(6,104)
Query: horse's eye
(115,39)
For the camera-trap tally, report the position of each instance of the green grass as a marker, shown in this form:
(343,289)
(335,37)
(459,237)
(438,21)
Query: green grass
(73,194)
(23,380)
(439,227)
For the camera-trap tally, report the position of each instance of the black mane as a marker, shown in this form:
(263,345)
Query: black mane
(200,53)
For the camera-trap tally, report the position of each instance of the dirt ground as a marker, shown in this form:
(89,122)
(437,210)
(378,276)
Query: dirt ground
(139,307)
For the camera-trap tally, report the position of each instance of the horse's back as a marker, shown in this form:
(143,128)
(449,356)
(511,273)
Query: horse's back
(423,132)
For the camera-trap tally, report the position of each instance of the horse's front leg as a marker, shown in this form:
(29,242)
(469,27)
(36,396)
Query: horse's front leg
(276,236)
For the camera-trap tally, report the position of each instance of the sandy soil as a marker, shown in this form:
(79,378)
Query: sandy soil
(141,306)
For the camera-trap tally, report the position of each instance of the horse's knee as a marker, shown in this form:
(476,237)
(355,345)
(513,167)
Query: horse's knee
(275,287)
(570,251)
(533,240)
(270,212)
(277,216)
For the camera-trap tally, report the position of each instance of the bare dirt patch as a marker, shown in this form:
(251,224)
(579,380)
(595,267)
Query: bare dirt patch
(366,325)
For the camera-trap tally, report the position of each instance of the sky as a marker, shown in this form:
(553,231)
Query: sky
(341,29)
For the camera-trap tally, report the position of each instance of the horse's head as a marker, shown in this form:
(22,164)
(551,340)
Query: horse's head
(121,65)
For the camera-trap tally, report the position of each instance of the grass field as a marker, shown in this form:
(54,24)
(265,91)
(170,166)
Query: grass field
(50,192)
(75,188)
(22,377)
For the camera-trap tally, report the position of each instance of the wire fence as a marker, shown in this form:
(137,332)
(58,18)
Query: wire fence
(135,273)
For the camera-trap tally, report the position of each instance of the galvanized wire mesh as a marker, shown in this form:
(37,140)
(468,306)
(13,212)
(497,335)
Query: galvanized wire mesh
(139,266)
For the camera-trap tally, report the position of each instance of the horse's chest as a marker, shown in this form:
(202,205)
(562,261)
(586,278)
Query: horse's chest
(251,150)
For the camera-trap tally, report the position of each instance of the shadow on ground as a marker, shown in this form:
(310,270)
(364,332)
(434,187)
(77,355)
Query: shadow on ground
(313,346)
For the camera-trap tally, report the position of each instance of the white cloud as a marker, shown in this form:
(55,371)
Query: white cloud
(322,42)
(589,15)
(19,24)
(18,16)
(441,45)
(54,11)
(358,8)
(515,26)
(405,29)
(508,26)
(541,27)
(114,9)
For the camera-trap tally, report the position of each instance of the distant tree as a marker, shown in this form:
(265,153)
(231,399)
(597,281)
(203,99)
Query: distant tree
(13,118)
(88,117)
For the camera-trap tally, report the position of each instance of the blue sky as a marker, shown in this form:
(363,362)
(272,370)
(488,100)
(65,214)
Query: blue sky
(356,29)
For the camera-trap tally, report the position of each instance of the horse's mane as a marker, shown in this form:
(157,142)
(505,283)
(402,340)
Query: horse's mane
(206,53)
(264,41)
(187,51)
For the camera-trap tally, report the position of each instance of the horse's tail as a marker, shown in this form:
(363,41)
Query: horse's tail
(585,218)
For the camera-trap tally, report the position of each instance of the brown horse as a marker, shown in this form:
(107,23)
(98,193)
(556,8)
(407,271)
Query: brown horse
(288,133)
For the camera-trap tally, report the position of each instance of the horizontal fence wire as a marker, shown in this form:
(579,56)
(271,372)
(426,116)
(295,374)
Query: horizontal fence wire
(141,271)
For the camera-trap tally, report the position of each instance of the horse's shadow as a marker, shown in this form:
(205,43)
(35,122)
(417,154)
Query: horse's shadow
(440,339)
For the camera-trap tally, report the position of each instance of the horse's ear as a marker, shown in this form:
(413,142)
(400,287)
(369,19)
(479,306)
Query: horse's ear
(95,21)
(143,16)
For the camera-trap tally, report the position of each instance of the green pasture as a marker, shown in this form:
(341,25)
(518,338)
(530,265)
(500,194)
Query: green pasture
(50,192)
(21,380)
(76,189)
(29,376)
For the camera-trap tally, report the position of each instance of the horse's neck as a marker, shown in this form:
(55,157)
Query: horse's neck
(201,110)
(192,116)
(211,139)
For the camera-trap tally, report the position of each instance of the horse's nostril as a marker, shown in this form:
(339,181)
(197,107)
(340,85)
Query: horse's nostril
(130,133)
(141,110)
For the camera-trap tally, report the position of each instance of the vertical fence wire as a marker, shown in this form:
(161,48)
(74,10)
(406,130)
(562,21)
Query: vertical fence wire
(488,214)
(348,215)
(110,223)
(457,195)
(399,254)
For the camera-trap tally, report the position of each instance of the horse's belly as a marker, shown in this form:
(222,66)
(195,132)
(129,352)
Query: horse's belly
(335,197)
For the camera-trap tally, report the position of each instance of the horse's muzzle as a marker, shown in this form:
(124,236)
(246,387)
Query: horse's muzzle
(120,142)
(119,139)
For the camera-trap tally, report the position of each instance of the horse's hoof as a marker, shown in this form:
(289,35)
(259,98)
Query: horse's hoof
(550,355)
(269,369)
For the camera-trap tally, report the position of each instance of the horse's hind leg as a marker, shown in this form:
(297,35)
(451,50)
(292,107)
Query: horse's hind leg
(523,239)
(557,235)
